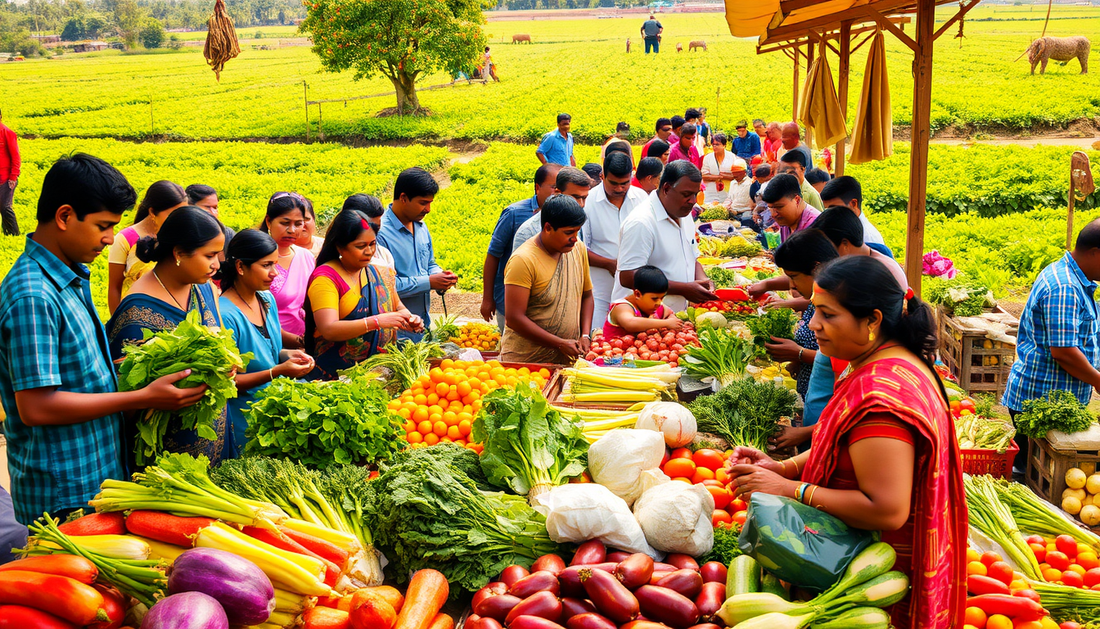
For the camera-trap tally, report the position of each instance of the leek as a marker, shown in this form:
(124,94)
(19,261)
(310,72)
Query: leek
(290,573)
(990,516)
(1036,516)
(112,546)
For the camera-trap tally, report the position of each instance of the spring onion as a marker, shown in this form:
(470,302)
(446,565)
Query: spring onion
(990,516)
(721,355)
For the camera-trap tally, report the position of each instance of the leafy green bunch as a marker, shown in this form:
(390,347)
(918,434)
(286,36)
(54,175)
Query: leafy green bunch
(210,354)
(778,322)
(960,296)
(722,278)
(1059,410)
(744,412)
(738,247)
(323,423)
(714,213)
(529,446)
(721,355)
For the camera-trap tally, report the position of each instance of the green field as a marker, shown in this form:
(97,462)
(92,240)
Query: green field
(574,65)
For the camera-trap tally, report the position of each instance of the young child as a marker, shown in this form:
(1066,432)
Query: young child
(642,310)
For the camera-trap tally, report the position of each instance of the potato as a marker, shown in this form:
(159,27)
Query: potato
(1075,478)
(1071,505)
(1090,515)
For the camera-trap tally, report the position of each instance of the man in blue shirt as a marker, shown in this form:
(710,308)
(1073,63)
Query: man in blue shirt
(1057,345)
(556,146)
(651,34)
(405,235)
(500,246)
(57,383)
(746,145)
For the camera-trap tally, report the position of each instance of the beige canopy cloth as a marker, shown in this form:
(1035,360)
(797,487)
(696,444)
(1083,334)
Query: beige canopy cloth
(873,135)
(819,109)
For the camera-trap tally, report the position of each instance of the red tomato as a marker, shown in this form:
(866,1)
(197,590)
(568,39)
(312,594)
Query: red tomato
(1092,577)
(720,517)
(1066,544)
(665,458)
(685,468)
(739,517)
(720,495)
(967,405)
(738,505)
(1073,579)
(681,453)
(989,557)
(711,459)
(1000,571)
(1069,624)
(702,474)
(1035,539)
(1057,560)
(1040,551)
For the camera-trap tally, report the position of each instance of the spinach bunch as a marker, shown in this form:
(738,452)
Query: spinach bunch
(323,423)
(529,447)
(779,323)
(425,512)
(744,412)
(1059,410)
(210,354)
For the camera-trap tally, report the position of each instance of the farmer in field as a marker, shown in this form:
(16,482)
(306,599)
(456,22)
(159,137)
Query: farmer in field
(404,233)
(548,290)
(651,34)
(9,177)
(607,206)
(500,245)
(556,146)
(572,182)
(660,233)
(57,383)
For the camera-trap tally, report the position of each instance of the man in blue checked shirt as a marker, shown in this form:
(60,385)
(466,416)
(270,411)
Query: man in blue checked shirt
(403,232)
(1057,345)
(556,146)
(57,383)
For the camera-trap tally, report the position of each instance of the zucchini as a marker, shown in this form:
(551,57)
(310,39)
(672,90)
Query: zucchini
(776,620)
(857,618)
(738,609)
(882,591)
(743,576)
(771,584)
(875,560)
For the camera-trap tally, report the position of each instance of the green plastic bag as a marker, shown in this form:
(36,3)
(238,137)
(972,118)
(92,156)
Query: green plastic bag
(803,546)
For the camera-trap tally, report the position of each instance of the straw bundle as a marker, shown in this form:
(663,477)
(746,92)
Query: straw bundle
(221,40)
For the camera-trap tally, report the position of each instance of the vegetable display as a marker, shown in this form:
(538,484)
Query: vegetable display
(212,357)
(777,322)
(652,345)
(976,432)
(585,384)
(744,412)
(242,589)
(529,446)
(322,423)
(721,355)
(1059,410)
(399,363)
(705,467)
(479,336)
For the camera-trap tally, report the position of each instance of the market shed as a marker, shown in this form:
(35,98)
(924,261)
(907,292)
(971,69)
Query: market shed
(801,28)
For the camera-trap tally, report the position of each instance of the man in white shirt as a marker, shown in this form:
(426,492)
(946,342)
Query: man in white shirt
(572,182)
(661,233)
(846,191)
(608,204)
(738,202)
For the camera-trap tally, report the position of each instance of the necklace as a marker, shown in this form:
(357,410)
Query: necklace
(245,302)
(178,305)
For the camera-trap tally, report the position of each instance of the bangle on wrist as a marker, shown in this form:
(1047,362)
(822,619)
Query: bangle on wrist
(810,495)
(271,373)
(800,491)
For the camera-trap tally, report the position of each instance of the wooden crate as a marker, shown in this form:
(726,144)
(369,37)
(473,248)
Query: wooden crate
(556,385)
(1047,467)
(553,369)
(977,363)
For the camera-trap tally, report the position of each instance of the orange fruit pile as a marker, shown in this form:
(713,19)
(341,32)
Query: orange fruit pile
(440,407)
(479,336)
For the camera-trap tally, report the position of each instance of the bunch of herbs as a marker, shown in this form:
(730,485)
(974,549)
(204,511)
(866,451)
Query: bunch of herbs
(744,412)
(778,322)
(1059,410)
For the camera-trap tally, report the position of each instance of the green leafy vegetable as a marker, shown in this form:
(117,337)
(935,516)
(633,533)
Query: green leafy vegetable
(960,296)
(725,546)
(323,423)
(779,323)
(721,354)
(744,412)
(399,363)
(425,512)
(444,329)
(738,247)
(529,447)
(722,278)
(211,355)
(1059,410)
(715,213)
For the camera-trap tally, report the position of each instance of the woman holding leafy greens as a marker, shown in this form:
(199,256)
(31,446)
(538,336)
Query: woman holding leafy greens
(884,455)
(185,254)
(249,310)
(353,309)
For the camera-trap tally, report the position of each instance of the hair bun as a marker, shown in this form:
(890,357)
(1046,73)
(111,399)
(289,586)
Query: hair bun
(146,248)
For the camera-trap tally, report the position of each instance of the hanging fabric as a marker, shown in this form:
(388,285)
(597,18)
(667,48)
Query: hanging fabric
(221,40)
(873,134)
(819,107)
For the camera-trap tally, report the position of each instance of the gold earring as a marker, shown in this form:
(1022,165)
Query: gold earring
(177,261)
(871,337)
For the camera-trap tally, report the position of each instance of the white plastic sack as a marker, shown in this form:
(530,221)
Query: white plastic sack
(1084,440)
(676,518)
(578,512)
(650,479)
(618,459)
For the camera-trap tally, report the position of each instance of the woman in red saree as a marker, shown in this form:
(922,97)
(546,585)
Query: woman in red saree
(883,455)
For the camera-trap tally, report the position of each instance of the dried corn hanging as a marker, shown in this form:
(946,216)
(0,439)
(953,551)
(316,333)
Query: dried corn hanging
(221,40)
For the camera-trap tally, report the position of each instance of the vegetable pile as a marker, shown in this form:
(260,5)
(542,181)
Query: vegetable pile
(480,336)
(1059,410)
(721,355)
(705,467)
(651,345)
(778,323)
(323,423)
(400,364)
(585,384)
(744,412)
(212,357)
(1079,497)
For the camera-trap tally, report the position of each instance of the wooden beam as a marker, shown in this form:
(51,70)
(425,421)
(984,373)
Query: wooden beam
(918,155)
(963,10)
(868,29)
(810,49)
(866,39)
(787,6)
(857,15)
(794,93)
(890,26)
(842,78)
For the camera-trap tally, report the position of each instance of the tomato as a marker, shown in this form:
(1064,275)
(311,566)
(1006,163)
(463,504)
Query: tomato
(685,468)
(989,557)
(681,453)
(702,474)
(1058,560)
(1073,579)
(722,476)
(738,505)
(1036,539)
(1000,571)
(1066,544)
(711,459)
(739,517)
(617,343)
(664,458)
(1069,624)
(720,517)
(1092,577)
(967,405)
(721,496)
(1040,552)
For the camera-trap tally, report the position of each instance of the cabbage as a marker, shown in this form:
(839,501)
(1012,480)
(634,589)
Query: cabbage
(710,319)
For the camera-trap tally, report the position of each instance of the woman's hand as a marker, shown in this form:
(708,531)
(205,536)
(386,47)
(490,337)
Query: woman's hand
(783,350)
(744,455)
(749,479)
(297,365)
(789,437)
(416,324)
(397,320)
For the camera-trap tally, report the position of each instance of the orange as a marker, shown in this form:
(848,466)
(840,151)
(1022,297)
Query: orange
(421,400)
(414,437)
(461,442)
(974,567)
(409,426)
(453,433)
(464,389)
(421,414)
(439,428)
(452,395)
(450,378)
(441,389)
(998,621)
(450,418)
(393,405)
(431,438)
(404,413)
(424,427)
(446,363)
(975,616)
(464,427)
(436,375)
(432,399)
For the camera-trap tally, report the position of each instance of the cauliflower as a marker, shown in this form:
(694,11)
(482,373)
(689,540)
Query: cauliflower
(710,319)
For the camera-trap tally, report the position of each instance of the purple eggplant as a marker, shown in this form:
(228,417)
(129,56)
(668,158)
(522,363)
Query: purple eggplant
(186,610)
(242,589)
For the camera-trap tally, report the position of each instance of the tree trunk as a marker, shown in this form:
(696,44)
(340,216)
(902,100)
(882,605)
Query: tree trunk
(407,100)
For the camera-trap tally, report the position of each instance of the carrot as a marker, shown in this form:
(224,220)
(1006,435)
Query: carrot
(284,542)
(390,594)
(331,601)
(323,548)
(325,618)
(96,524)
(67,598)
(114,603)
(370,611)
(20,617)
(70,566)
(167,528)
(442,621)
(428,590)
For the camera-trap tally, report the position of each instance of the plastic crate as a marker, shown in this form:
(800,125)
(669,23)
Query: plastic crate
(977,363)
(996,464)
(1047,467)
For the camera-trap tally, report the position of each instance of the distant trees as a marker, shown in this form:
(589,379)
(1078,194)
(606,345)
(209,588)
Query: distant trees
(152,35)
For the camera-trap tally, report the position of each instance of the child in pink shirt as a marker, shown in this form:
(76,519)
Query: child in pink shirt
(642,310)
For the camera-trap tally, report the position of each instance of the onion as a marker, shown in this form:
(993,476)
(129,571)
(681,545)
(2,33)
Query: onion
(672,419)
(186,610)
(242,589)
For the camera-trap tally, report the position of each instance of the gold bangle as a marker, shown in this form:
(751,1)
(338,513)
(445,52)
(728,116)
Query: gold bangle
(271,374)
(810,495)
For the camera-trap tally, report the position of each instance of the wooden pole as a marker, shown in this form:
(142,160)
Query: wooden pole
(152,126)
(918,157)
(305,100)
(842,78)
(797,67)
(810,47)
(320,123)
(1069,216)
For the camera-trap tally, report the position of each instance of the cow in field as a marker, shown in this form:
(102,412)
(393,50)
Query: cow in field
(697,44)
(520,38)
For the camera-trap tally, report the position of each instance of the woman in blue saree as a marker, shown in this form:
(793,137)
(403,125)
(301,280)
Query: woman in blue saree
(185,253)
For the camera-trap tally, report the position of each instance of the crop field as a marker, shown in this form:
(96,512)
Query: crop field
(578,65)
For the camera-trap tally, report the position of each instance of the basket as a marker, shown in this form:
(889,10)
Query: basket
(977,363)
(1047,467)
(996,464)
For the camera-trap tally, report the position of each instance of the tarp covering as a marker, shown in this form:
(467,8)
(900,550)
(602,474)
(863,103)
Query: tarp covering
(819,107)
(750,18)
(873,134)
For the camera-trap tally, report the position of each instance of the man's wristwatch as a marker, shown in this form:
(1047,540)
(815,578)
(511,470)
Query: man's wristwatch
(586,336)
